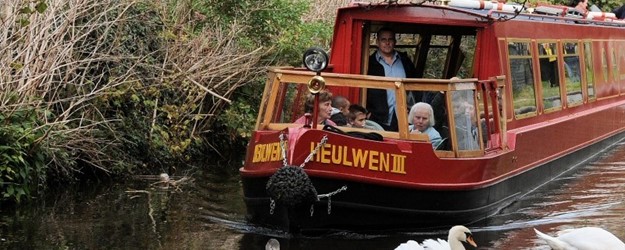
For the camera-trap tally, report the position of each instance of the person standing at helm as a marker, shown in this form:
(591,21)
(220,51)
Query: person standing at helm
(386,61)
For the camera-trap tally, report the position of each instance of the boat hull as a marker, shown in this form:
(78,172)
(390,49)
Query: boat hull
(372,207)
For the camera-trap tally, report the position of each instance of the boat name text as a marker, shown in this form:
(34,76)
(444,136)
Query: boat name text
(360,158)
(267,152)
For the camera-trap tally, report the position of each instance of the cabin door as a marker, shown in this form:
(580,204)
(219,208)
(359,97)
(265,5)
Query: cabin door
(491,116)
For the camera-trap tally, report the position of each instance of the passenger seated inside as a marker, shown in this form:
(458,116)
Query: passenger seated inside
(466,126)
(340,109)
(324,109)
(436,99)
(422,117)
(357,118)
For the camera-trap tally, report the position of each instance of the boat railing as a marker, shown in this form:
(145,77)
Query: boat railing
(286,89)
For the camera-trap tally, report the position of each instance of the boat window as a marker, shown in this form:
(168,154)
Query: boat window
(572,73)
(437,55)
(549,75)
(614,65)
(620,60)
(522,78)
(465,120)
(449,56)
(291,103)
(590,74)
(467,52)
(604,64)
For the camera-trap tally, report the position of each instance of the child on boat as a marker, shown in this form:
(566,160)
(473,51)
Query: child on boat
(358,118)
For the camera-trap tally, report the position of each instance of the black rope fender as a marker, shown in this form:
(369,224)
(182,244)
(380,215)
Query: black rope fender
(291,186)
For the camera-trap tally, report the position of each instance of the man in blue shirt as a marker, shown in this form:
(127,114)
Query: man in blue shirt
(386,61)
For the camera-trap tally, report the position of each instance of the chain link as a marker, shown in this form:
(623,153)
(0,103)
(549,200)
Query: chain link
(283,147)
(310,156)
(329,204)
(312,210)
(272,205)
(332,193)
(329,196)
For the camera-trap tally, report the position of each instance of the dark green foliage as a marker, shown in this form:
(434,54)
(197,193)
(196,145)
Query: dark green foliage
(22,159)
(276,25)
(140,112)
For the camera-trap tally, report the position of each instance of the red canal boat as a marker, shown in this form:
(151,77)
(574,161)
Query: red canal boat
(547,89)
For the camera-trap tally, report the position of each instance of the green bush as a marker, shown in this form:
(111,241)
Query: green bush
(22,161)
(137,86)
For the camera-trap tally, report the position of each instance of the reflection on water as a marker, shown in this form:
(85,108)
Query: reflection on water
(593,196)
(208,213)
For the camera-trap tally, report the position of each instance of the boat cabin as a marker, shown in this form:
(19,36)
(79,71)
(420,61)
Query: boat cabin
(495,70)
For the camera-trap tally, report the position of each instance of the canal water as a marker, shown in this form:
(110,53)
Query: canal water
(205,211)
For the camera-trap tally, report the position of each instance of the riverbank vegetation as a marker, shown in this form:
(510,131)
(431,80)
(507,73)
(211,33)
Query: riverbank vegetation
(99,88)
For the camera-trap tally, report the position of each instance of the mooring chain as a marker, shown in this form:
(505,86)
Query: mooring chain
(310,156)
(332,193)
(329,196)
(272,205)
(329,204)
(283,147)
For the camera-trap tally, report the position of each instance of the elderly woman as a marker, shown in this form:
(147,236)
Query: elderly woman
(324,109)
(422,117)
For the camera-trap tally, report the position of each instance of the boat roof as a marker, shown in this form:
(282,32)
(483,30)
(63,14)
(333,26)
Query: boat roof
(407,12)
(385,6)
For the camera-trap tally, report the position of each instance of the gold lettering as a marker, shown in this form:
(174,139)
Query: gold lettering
(346,162)
(336,154)
(402,159)
(359,158)
(257,153)
(398,164)
(374,160)
(325,153)
(275,156)
(267,152)
(384,162)
(267,155)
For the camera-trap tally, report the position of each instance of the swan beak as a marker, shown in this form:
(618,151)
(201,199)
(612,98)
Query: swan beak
(471,241)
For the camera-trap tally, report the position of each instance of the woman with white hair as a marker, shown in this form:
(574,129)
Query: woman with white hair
(422,118)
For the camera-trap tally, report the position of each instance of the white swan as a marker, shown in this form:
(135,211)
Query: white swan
(586,238)
(455,239)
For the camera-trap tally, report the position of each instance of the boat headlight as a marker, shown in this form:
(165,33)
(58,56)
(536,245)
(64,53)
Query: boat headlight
(316,84)
(315,59)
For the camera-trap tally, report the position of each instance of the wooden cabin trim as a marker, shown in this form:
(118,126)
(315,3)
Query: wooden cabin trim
(263,102)
(284,76)
(385,134)
(273,93)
